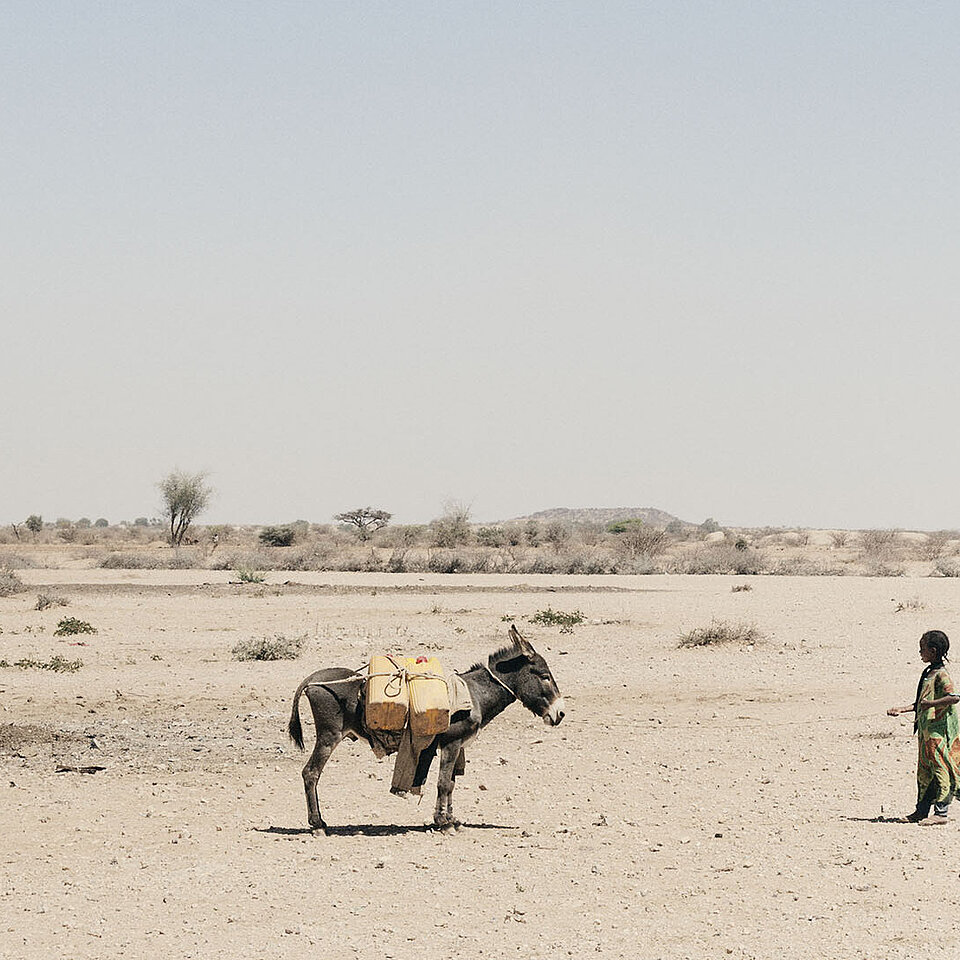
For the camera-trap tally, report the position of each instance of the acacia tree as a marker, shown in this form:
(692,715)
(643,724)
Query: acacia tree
(185,496)
(365,519)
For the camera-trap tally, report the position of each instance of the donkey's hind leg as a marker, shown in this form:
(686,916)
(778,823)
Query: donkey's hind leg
(327,741)
(328,721)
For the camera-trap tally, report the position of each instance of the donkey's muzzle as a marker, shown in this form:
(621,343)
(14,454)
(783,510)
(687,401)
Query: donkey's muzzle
(554,713)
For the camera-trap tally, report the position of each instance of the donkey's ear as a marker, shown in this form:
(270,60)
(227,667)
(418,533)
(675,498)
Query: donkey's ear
(522,645)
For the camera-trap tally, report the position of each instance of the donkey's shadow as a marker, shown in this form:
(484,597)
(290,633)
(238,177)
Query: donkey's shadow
(375,829)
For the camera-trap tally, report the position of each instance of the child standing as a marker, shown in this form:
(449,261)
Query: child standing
(937,728)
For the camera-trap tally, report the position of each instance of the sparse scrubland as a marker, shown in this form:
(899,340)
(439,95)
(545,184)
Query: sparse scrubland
(451,544)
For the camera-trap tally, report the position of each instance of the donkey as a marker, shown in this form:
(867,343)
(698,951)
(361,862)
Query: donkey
(515,672)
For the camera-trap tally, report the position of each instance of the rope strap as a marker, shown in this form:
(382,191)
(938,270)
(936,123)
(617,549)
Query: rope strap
(400,675)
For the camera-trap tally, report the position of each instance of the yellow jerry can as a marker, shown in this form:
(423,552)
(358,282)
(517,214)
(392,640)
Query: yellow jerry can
(387,697)
(429,701)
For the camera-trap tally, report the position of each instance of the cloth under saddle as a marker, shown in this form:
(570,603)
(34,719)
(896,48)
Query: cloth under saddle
(415,754)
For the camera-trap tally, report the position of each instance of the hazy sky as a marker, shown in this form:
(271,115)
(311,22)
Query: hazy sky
(701,256)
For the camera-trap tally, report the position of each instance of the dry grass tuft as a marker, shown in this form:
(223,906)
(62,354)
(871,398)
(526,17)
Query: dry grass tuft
(10,583)
(722,633)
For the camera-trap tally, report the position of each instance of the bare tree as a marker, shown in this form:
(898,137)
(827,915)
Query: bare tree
(365,519)
(185,496)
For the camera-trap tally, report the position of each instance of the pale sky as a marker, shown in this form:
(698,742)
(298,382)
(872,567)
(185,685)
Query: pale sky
(700,256)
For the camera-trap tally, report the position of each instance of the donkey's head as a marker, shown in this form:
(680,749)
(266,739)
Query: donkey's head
(525,672)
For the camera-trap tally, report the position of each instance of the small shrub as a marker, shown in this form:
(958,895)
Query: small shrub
(278,536)
(492,537)
(878,542)
(246,575)
(741,588)
(914,604)
(277,647)
(946,567)
(723,559)
(720,633)
(933,546)
(839,538)
(551,618)
(803,567)
(10,583)
(635,539)
(71,626)
(57,664)
(880,568)
(46,600)
(452,529)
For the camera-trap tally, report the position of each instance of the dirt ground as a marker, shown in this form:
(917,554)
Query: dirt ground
(710,802)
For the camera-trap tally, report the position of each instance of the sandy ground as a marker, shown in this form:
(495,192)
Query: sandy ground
(694,803)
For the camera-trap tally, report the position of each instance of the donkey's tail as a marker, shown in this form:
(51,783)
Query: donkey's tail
(294,728)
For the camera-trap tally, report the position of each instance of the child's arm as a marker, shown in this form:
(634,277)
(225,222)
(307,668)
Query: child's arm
(896,711)
(939,702)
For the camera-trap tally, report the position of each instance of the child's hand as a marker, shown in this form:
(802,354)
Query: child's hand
(893,712)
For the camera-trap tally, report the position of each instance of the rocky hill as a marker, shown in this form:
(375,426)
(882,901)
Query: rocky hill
(600,515)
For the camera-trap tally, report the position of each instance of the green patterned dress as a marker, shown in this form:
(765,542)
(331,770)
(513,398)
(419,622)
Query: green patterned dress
(938,737)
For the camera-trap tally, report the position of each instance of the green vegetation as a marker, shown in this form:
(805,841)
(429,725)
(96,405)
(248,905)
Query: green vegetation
(552,618)
(277,647)
(278,536)
(71,626)
(57,664)
(185,496)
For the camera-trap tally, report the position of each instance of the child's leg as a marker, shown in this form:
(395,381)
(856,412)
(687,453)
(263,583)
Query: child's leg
(925,799)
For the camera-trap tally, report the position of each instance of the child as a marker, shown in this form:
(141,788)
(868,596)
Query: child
(938,733)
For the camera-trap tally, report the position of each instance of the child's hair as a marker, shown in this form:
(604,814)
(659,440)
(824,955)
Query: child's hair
(938,642)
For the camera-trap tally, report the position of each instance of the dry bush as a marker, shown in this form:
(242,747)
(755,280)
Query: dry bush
(913,604)
(45,600)
(452,529)
(881,568)
(459,561)
(277,647)
(878,542)
(722,559)
(639,540)
(10,583)
(151,561)
(946,567)
(721,632)
(839,538)
(402,537)
(804,567)
(932,547)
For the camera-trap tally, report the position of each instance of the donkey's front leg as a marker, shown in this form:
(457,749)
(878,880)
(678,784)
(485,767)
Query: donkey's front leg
(443,813)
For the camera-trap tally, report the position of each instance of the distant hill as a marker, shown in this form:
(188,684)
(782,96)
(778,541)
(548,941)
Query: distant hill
(601,515)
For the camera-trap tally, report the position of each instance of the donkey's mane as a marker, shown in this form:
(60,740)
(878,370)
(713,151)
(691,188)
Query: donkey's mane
(502,652)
